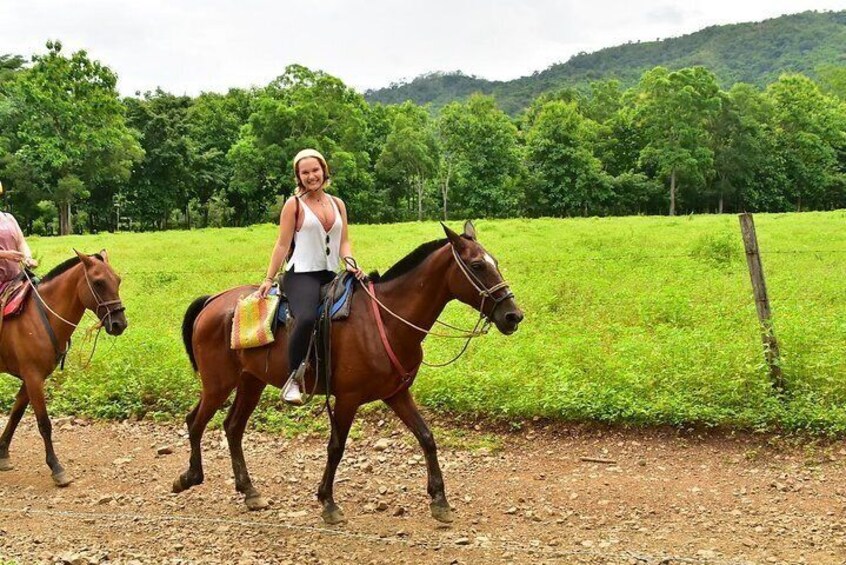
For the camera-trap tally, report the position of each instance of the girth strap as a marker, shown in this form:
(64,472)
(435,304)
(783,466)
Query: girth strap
(60,355)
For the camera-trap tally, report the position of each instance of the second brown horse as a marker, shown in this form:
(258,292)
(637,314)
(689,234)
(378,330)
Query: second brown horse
(32,344)
(417,288)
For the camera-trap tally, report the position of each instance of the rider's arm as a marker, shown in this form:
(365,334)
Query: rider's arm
(22,245)
(346,246)
(287,227)
(11,255)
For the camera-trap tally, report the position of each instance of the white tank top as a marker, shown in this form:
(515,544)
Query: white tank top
(312,252)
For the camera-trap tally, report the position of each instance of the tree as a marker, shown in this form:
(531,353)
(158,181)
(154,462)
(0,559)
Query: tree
(565,177)
(409,158)
(481,142)
(164,180)
(604,102)
(9,65)
(810,128)
(736,143)
(675,110)
(70,130)
(214,122)
(832,79)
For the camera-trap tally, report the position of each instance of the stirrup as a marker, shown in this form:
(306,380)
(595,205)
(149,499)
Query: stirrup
(292,391)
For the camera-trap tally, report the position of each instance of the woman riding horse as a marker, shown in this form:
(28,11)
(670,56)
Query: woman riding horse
(319,238)
(372,358)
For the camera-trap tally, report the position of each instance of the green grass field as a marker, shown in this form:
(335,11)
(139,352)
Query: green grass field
(640,320)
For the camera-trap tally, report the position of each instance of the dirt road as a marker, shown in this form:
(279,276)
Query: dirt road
(527,497)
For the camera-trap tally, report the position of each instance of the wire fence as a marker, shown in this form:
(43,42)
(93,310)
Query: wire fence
(549,260)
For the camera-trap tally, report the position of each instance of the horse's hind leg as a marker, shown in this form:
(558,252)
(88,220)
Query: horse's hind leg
(404,407)
(196,421)
(18,409)
(246,399)
(35,390)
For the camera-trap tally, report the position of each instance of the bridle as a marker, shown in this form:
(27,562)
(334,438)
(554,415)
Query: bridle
(111,306)
(484,292)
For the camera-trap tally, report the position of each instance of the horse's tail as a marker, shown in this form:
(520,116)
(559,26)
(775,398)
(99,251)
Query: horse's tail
(188,326)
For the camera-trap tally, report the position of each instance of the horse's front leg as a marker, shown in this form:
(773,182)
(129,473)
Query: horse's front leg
(35,389)
(345,410)
(403,405)
(18,409)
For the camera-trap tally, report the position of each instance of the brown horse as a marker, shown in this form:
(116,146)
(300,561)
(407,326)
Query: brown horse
(417,288)
(33,343)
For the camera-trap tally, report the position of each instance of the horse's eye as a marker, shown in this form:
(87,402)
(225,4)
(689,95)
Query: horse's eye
(477,266)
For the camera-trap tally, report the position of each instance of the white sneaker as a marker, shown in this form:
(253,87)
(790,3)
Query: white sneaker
(291,391)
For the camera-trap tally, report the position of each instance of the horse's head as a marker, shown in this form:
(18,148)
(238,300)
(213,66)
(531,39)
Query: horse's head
(98,291)
(476,281)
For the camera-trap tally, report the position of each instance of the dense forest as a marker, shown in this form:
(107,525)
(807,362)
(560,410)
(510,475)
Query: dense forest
(755,53)
(76,157)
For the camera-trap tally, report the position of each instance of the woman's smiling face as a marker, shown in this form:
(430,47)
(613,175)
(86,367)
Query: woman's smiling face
(310,173)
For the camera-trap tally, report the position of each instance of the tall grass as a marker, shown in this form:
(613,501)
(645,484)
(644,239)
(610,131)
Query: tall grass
(640,320)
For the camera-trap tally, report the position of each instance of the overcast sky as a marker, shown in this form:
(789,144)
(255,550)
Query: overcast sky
(188,46)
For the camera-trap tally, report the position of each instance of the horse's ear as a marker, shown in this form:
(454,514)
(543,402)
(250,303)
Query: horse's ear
(104,254)
(453,237)
(86,260)
(470,230)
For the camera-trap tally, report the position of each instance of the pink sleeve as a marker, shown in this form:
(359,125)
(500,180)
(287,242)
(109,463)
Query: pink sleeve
(22,245)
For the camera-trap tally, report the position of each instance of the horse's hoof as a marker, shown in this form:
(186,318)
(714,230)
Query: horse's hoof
(441,513)
(257,502)
(333,515)
(178,486)
(184,482)
(6,464)
(62,479)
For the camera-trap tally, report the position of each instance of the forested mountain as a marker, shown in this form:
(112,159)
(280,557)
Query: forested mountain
(755,53)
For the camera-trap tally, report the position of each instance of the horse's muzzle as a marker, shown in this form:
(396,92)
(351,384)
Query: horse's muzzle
(115,324)
(509,320)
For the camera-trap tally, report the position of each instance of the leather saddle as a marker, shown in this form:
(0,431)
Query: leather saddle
(13,297)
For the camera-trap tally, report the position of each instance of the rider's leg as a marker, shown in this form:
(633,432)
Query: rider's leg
(303,291)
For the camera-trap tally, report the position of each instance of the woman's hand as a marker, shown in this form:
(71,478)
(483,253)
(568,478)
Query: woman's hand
(12,255)
(30,263)
(352,267)
(264,288)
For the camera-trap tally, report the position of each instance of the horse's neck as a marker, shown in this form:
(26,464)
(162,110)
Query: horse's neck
(418,296)
(61,297)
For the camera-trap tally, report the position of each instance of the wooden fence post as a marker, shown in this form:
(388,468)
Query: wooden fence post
(762,303)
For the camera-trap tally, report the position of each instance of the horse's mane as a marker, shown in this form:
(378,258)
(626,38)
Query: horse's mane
(408,262)
(64,266)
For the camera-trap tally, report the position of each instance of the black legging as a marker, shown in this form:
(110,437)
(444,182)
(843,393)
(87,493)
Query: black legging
(303,291)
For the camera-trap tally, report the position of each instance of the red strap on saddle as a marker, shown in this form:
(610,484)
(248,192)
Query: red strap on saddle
(407,376)
(14,306)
